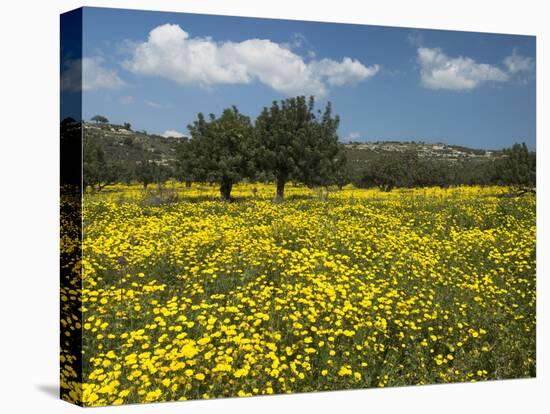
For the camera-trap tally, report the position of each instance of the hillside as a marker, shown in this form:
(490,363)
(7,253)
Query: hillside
(123,144)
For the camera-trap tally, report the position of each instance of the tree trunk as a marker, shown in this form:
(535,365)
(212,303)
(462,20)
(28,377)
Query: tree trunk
(225,190)
(188,184)
(281,181)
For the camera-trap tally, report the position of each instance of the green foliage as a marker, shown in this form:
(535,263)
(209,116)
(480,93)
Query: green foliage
(324,157)
(390,170)
(186,165)
(100,119)
(280,134)
(289,142)
(518,168)
(96,171)
(149,172)
(219,150)
(292,143)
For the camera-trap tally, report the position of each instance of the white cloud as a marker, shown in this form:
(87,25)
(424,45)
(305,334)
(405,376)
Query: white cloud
(91,73)
(171,53)
(340,73)
(171,133)
(517,63)
(439,71)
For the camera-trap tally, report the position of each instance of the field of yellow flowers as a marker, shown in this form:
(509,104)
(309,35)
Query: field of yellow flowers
(187,297)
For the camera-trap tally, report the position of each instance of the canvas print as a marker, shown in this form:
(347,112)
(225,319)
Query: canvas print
(259,206)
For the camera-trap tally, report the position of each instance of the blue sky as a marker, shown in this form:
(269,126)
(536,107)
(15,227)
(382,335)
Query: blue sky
(157,70)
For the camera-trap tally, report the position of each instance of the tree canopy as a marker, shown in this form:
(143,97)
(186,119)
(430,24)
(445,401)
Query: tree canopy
(100,119)
(291,142)
(96,171)
(218,151)
(518,168)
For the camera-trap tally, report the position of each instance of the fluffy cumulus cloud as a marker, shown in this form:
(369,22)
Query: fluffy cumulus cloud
(171,133)
(439,71)
(341,73)
(171,53)
(89,74)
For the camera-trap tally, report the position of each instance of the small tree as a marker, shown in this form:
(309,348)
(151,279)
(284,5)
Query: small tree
(517,169)
(97,173)
(145,172)
(292,143)
(342,172)
(219,150)
(186,165)
(324,158)
(281,133)
(128,126)
(100,119)
(390,170)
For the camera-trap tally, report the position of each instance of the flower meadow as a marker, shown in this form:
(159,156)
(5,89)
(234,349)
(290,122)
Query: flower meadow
(187,297)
